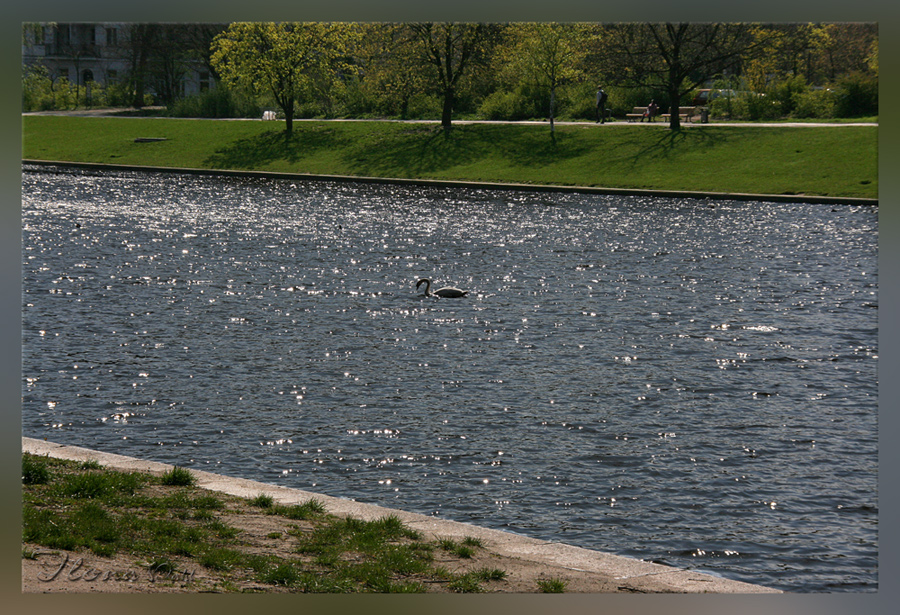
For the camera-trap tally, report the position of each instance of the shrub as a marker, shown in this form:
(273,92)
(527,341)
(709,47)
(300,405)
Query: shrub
(117,95)
(722,107)
(423,106)
(623,100)
(63,96)
(37,89)
(761,106)
(507,106)
(219,102)
(578,102)
(783,93)
(745,106)
(857,94)
(814,104)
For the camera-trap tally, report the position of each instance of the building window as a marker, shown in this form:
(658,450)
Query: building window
(112,37)
(204,81)
(62,34)
(112,75)
(64,73)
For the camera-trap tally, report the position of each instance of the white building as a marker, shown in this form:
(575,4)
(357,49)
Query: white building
(101,53)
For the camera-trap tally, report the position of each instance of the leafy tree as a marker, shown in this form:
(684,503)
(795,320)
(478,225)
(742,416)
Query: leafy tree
(392,67)
(675,57)
(872,58)
(786,50)
(546,55)
(281,59)
(820,53)
(451,50)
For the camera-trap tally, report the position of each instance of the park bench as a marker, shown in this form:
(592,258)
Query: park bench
(640,113)
(686,113)
(636,113)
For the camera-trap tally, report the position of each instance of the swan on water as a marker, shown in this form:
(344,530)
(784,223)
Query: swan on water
(447,291)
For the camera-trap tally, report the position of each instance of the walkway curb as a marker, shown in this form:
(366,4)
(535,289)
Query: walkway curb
(632,574)
(438,183)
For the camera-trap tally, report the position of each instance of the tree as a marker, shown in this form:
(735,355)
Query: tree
(282,59)
(451,49)
(872,58)
(820,53)
(141,38)
(676,57)
(175,50)
(547,55)
(846,48)
(391,68)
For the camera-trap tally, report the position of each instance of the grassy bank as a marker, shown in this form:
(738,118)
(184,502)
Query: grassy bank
(163,530)
(829,161)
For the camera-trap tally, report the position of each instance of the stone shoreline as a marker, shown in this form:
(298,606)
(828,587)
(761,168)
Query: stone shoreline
(441,183)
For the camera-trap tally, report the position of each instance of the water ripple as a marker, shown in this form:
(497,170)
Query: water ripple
(653,377)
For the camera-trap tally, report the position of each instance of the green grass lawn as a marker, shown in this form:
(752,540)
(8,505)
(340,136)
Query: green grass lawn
(831,161)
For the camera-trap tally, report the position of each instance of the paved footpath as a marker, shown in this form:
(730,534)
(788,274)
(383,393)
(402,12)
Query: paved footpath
(636,575)
(113,112)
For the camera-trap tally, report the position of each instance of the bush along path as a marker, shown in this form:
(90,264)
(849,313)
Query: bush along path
(91,529)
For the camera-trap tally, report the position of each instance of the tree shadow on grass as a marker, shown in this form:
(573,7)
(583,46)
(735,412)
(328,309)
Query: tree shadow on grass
(261,150)
(412,152)
(427,151)
(671,146)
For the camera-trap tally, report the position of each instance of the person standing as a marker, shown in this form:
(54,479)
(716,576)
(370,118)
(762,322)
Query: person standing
(601,105)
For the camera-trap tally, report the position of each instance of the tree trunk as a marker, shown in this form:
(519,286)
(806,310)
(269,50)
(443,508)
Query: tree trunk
(142,35)
(447,113)
(289,120)
(674,118)
(140,69)
(552,105)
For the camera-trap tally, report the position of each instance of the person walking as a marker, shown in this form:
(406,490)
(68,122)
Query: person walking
(601,105)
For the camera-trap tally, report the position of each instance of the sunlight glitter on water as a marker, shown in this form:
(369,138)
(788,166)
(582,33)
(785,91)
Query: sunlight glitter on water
(625,355)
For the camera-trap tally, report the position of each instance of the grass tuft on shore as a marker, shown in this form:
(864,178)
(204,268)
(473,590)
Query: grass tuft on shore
(178,477)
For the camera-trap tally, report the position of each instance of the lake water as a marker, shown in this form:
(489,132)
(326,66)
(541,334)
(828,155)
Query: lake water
(683,381)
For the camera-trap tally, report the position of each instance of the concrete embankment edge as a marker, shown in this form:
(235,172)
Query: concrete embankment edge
(734,196)
(638,575)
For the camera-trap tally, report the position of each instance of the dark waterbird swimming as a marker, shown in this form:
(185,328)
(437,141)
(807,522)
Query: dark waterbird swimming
(447,291)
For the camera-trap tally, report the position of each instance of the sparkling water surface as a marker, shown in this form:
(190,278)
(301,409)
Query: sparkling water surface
(684,381)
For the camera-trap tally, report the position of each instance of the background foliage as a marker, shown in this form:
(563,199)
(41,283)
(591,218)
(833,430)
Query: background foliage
(498,71)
